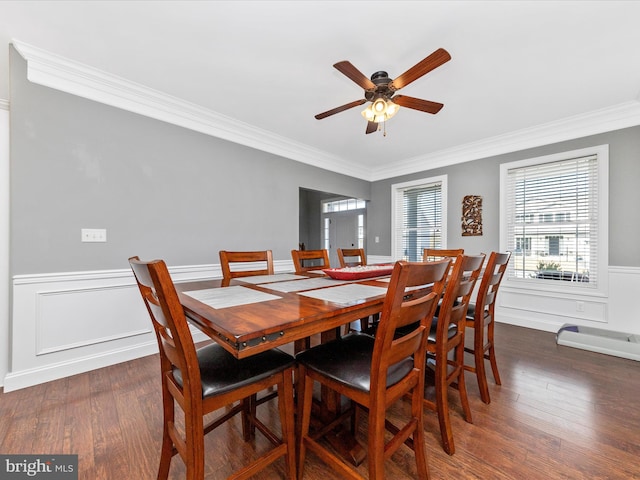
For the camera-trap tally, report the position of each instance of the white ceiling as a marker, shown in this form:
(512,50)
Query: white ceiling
(519,69)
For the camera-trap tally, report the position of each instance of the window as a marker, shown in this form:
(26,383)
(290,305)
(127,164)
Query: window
(361,231)
(343,205)
(525,218)
(326,240)
(418,217)
(554,245)
(555,218)
(523,246)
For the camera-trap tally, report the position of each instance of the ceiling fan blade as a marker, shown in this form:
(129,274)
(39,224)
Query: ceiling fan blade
(345,67)
(433,61)
(371,127)
(342,108)
(417,104)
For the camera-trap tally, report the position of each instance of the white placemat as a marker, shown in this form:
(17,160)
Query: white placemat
(230,296)
(346,294)
(280,277)
(306,284)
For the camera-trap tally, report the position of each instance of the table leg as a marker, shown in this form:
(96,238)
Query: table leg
(341,439)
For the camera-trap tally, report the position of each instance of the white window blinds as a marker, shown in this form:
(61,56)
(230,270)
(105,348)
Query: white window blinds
(552,220)
(418,220)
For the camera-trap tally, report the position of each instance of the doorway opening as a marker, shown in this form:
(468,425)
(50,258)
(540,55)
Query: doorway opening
(331,221)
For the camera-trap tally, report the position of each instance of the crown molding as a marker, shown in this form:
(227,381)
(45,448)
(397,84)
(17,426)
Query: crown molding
(4,104)
(53,71)
(617,117)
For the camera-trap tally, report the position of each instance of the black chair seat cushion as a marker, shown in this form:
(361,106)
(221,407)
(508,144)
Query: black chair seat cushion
(348,360)
(451,332)
(471,312)
(432,331)
(221,372)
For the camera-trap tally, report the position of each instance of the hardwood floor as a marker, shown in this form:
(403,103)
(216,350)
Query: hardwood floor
(561,413)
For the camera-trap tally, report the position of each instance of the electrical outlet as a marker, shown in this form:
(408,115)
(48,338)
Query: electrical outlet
(93,235)
(579,306)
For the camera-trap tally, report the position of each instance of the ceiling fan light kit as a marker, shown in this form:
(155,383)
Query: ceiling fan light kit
(380,110)
(380,91)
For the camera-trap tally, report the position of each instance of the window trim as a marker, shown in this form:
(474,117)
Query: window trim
(602,261)
(397,187)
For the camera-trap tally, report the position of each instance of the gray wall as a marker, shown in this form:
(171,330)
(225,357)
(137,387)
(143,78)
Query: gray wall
(482,177)
(164,191)
(161,191)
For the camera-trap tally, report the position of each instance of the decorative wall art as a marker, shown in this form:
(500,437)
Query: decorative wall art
(472,216)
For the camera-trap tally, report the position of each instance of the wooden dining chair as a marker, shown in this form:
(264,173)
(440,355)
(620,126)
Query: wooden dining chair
(351,257)
(445,345)
(481,318)
(310,260)
(375,372)
(263,258)
(440,253)
(430,254)
(354,257)
(208,379)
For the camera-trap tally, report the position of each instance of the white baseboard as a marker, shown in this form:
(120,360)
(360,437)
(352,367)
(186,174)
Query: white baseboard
(45,373)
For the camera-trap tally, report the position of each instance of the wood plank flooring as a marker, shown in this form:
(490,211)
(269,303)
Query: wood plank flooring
(561,413)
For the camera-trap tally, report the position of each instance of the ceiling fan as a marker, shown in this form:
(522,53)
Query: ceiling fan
(381,90)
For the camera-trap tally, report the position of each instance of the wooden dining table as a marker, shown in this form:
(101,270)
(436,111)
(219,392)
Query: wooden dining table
(281,312)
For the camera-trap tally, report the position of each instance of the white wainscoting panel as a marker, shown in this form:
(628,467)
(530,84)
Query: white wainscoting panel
(70,319)
(624,288)
(55,331)
(549,311)
(67,323)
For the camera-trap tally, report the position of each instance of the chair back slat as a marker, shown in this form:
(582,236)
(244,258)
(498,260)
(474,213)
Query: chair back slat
(430,254)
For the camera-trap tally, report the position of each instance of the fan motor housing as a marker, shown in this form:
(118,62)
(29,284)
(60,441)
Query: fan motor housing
(381,80)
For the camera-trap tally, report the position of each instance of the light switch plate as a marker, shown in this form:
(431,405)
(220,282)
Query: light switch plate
(93,235)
